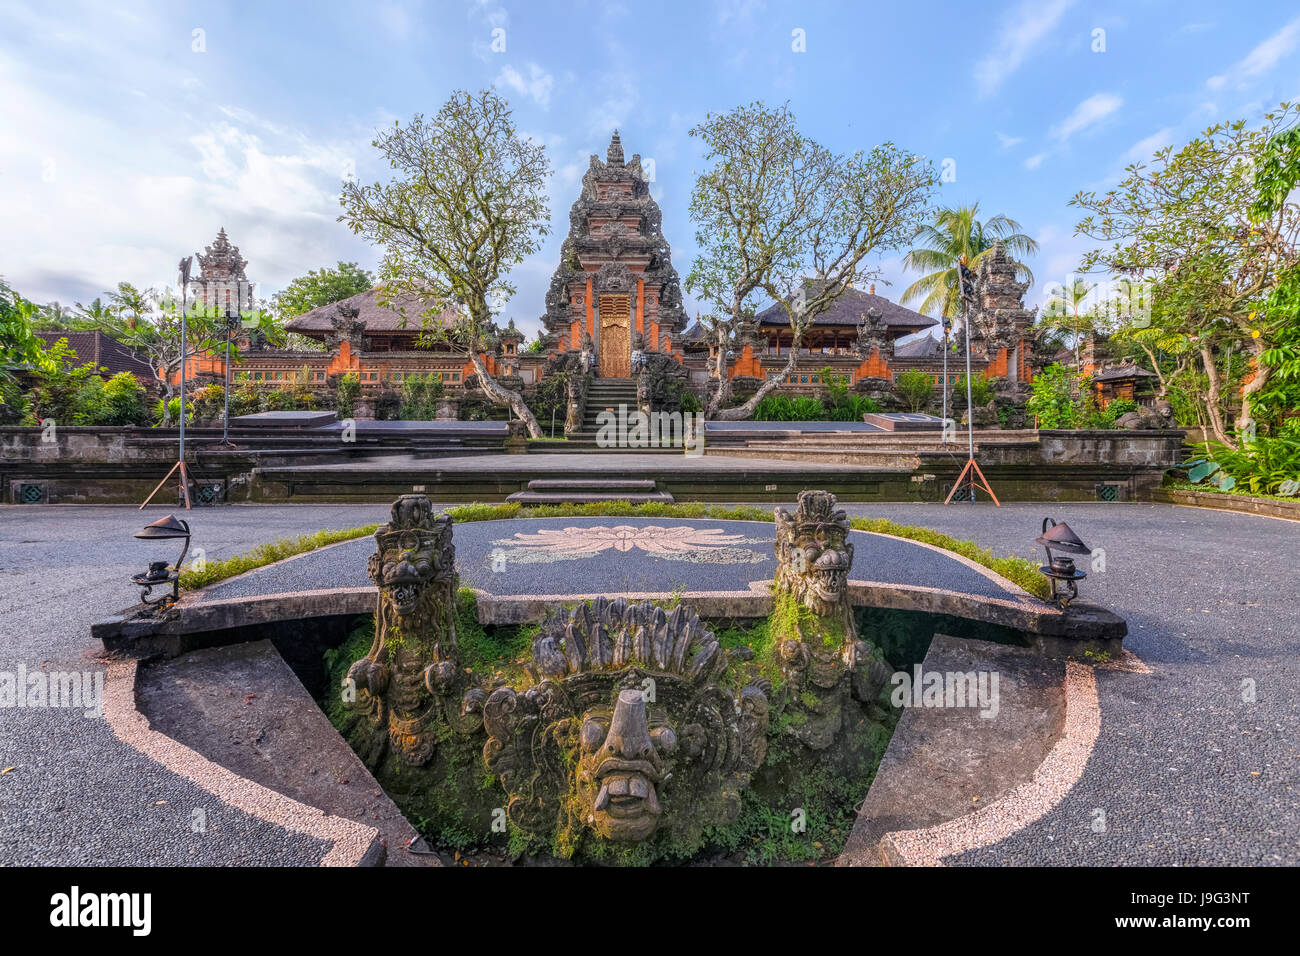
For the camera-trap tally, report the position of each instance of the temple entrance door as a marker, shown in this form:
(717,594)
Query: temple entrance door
(615,336)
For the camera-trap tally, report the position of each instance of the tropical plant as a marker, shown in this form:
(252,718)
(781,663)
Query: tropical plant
(1263,465)
(1056,398)
(915,387)
(956,232)
(1211,226)
(320,287)
(21,350)
(420,395)
(1277,405)
(349,390)
(982,391)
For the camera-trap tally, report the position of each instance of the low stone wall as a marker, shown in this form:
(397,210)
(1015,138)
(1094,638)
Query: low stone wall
(122,464)
(1268,507)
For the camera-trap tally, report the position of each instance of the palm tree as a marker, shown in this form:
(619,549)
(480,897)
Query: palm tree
(956,232)
(1062,311)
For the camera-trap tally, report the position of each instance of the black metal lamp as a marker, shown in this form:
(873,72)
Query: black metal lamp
(1060,569)
(159,573)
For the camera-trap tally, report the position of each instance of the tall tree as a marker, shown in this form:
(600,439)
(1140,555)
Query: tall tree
(320,287)
(954,232)
(467,203)
(1199,226)
(778,215)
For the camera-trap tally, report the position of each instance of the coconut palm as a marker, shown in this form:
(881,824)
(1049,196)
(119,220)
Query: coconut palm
(955,232)
(1062,311)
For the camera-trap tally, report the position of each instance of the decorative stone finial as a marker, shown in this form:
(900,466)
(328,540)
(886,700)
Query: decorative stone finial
(614,156)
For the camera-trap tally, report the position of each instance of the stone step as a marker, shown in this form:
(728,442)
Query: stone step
(588,497)
(615,484)
(589,447)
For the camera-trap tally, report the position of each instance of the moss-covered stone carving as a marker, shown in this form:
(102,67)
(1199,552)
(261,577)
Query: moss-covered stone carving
(409,679)
(631,728)
(628,732)
(824,663)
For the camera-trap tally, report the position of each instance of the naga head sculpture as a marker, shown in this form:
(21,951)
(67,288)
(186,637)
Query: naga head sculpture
(813,553)
(630,729)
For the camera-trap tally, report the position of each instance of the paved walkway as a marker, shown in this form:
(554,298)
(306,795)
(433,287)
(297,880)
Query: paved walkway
(1197,762)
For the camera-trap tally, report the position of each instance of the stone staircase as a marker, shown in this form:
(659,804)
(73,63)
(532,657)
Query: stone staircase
(582,491)
(603,394)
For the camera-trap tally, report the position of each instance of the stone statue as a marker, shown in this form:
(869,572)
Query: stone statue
(629,730)
(821,656)
(625,724)
(409,678)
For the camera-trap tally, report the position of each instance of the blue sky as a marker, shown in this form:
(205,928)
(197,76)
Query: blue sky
(133,131)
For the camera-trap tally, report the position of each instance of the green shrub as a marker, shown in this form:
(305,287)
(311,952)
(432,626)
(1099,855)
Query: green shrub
(982,391)
(1263,466)
(1055,400)
(915,388)
(122,401)
(420,394)
(349,390)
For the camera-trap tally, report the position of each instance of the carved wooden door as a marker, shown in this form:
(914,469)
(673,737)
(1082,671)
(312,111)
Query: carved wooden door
(615,336)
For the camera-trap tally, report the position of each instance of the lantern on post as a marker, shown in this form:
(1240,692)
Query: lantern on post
(1060,569)
(160,574)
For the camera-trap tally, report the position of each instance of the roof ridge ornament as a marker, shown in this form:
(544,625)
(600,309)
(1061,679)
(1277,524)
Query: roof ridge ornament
(614,155)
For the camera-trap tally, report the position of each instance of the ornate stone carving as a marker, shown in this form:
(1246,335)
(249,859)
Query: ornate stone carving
(629,730)
(409,678)
(613,192)
(998,316)
(873,335)
(346,327)
(822,659)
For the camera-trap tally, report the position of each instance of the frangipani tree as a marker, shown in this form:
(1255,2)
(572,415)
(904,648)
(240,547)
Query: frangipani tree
(1195,225)
(780,216)
(467,203)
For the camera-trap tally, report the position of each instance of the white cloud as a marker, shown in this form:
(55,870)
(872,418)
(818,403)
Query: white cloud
(1008,141)
(1143,149)
(537,86)
(1088,113)
(1260,60)
(1034,161)
(1022,35)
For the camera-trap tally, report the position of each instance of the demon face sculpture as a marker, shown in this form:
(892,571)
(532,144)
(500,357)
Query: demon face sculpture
(814,554)
(629,729)
(410,673)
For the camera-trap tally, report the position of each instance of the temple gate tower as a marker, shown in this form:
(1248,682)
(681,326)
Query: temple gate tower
(615,285)
(221,282)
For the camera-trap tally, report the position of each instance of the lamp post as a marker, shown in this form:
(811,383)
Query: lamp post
(184,354)
(1060,570)
(232,323)
(947,327)
(185,287)
(159,573)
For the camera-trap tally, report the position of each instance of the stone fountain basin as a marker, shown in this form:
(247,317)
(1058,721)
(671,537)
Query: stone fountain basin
(263,634)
